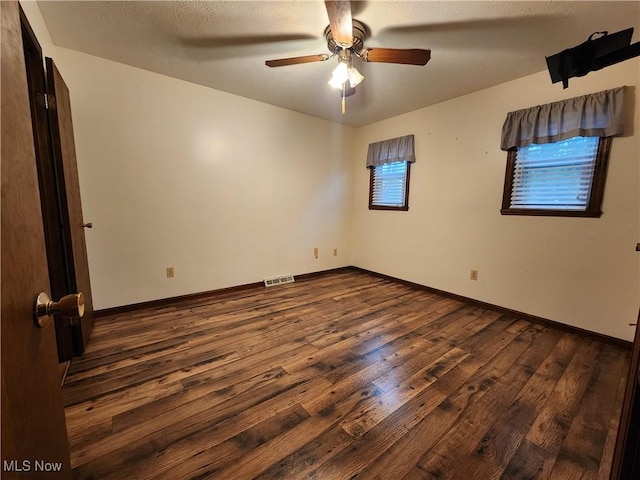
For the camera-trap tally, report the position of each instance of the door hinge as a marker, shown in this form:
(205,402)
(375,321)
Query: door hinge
(48,101)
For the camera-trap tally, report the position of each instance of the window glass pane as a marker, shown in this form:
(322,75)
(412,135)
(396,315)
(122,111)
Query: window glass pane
(389,184)
(555,176)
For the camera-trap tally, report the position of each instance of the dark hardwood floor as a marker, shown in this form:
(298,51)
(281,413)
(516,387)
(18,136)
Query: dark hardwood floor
(340,376)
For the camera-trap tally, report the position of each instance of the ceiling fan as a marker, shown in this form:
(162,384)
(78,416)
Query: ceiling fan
(345,39)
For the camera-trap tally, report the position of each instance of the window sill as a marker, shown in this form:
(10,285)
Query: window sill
(381,207)
(550,213)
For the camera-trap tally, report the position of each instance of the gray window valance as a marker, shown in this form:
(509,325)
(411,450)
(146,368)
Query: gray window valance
(399,149)
(595,115)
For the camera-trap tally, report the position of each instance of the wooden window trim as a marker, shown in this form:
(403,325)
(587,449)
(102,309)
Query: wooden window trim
(404,207)
(593,210)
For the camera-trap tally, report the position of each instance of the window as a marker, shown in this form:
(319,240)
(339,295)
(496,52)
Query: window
(558,155)
(564,178)
(389,162)
(389,186)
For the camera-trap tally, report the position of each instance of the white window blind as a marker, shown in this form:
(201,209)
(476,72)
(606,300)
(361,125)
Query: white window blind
(389,184)
(555,175)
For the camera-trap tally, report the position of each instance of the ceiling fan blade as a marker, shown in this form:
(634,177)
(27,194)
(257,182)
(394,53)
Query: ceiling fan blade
(283,62)
(340,22)
(407,56)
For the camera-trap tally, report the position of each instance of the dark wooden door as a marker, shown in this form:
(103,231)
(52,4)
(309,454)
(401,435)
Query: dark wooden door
(626,458)
(47,179)
(59,192)
(34,434)
(68,185)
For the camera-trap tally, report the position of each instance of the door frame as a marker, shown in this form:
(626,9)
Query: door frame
(47,180)
(59,193)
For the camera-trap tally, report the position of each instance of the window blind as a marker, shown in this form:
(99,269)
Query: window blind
(389,184)
(555,176)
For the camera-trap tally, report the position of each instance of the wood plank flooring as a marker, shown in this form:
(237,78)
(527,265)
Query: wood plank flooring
(340,376)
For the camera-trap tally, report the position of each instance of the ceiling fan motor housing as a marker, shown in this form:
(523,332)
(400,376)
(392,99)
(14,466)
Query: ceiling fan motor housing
(360,33)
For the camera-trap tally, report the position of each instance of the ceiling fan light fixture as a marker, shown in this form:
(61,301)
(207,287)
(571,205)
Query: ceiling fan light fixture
(340,75)
(345,71)
(355,77)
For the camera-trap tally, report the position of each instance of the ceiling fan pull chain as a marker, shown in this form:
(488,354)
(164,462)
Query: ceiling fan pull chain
(344,98)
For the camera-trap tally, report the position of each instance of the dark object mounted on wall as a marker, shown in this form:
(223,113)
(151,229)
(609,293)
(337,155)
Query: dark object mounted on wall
(592,55)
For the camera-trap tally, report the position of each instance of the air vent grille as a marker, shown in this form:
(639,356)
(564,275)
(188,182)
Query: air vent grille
(271,282)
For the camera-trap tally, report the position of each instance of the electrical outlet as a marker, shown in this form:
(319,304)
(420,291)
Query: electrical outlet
(474,275)
(335,252)
(170,272)
(315,252)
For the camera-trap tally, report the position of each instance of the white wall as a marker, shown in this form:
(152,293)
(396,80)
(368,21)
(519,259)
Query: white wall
(224,189)
(579,271)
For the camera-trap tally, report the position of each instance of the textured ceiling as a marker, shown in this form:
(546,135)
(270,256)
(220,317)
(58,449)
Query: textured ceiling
(224,45)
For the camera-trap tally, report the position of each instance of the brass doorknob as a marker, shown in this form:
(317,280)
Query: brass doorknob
(69,306)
